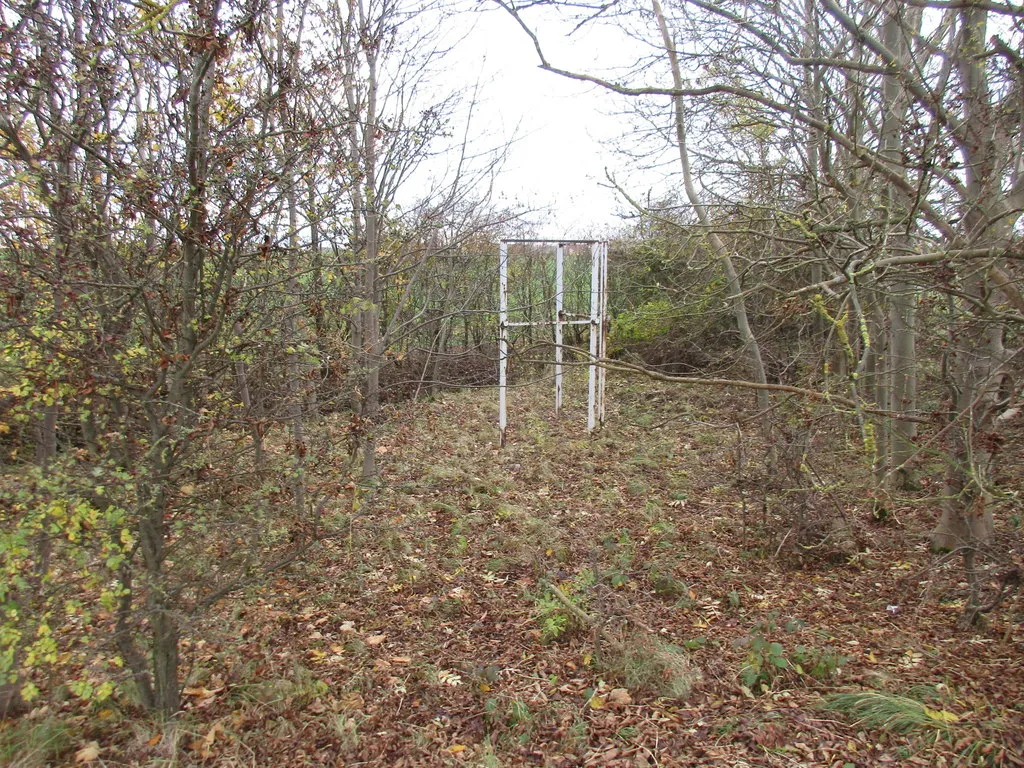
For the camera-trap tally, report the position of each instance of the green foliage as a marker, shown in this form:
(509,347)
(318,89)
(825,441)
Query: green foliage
(622,549)
(646,323)
(765,661)
(63,542)
(554,618)
(518,712)
(819,663)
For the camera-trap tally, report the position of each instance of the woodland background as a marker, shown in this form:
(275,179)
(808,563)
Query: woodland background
(238,296)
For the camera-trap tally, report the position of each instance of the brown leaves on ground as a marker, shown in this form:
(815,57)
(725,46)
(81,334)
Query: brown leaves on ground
(423,635)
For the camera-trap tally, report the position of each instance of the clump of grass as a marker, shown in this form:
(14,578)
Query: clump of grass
(280,694)
(649,664)
(889,711)
(28,743)
(664,582)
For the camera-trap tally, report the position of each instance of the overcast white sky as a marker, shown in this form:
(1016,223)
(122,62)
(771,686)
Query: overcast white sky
(566,129)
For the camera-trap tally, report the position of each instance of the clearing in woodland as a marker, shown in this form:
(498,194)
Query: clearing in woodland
(674,590)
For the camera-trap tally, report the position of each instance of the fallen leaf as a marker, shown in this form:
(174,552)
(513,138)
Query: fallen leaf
(401,659)
(375,639)
(201,691)
(596,702)
(619,697)
(88,753)
(205,745)
(456,748)
(155,739)
(351,701)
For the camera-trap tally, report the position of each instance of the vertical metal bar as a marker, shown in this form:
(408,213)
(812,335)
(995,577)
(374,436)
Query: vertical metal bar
(559,318)
(502,341)
(595,303)
(603,350)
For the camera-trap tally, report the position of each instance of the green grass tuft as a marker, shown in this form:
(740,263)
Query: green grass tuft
(889,711)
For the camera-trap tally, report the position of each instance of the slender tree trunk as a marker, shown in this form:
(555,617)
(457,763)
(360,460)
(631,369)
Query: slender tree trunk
(734,286)
(287,52)
(899,383)
(903,362)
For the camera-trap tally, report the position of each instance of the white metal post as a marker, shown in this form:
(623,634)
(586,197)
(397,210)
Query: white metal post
(559,318)
(603,347)
(595,331)
(502,341)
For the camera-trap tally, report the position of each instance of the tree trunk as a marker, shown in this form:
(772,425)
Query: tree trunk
(734,287)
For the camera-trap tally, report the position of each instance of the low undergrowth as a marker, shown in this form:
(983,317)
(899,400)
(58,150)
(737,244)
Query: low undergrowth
(648,595)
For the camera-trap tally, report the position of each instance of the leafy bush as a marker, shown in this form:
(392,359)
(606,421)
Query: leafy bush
(764,663)
(646,323)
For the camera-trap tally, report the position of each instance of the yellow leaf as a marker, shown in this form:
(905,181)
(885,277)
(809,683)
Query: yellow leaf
(596,702)
(456,748)
(88,753)
(587,658)
(941,715)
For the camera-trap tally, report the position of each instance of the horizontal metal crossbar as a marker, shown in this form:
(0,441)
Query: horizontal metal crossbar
(553,242)
(547,322)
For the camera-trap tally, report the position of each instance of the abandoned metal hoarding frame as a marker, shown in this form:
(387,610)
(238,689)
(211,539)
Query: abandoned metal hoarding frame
(596,321)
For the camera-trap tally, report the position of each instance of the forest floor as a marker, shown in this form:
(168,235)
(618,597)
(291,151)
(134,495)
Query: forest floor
(646,596)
